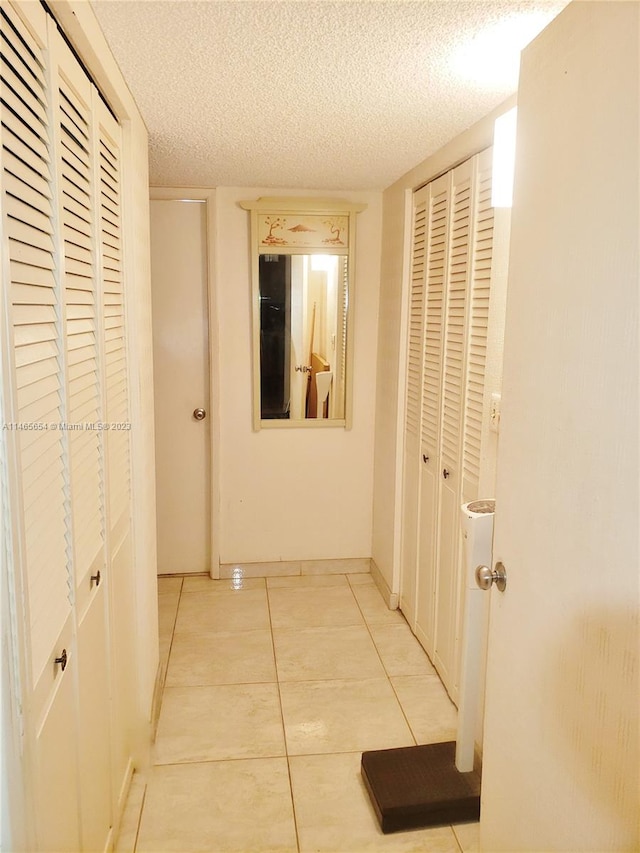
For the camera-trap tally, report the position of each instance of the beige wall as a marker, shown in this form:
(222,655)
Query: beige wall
(387,458)
(292,494)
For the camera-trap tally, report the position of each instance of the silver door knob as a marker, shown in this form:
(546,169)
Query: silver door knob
(486,576)
(199,414)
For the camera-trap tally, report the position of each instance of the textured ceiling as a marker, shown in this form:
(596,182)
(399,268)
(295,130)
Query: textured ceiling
(312,93)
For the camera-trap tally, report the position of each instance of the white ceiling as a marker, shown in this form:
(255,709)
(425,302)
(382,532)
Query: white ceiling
(314,94)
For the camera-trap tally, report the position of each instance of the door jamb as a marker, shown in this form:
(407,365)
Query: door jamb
(208,195)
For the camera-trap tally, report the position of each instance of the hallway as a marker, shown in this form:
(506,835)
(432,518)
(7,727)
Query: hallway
(273,688)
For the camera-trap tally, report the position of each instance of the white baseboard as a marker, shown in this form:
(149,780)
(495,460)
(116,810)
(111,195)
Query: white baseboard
(157,700)
(391,598)
(291,568)
(118,811)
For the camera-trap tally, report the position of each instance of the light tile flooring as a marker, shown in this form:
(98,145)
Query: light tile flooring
(272,692)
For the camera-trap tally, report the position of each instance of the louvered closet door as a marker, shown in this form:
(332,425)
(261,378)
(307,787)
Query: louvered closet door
(115,351)
(117,448)
(78,218)
(475,422)
(430,438)
(413,397)
(36,315)
(453,400)
(76,150)
(446,399)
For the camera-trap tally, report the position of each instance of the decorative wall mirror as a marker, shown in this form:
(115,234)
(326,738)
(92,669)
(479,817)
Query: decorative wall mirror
(302,305)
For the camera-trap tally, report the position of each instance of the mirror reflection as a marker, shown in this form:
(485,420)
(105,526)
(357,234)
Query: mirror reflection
(303,336)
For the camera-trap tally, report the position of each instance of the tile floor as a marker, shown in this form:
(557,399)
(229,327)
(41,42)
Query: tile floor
(272,692)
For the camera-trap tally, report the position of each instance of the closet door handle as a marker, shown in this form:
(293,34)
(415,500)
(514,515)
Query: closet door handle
(62,660)
(425,458)
(445,473)
(95,579)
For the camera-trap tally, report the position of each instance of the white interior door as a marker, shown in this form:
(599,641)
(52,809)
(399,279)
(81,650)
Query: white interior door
(181,374)
(560,769)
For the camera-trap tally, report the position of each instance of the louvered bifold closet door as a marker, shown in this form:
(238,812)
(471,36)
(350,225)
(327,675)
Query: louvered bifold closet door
(437,261)
(475,427)
(28,222)
(438,229)
(31,266)
(416,315)
(451,362)
(77,202)
(116,376)
(79,215)
(413,399)
(453,399)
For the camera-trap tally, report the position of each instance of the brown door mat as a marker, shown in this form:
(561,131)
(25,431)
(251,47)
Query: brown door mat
(418,786)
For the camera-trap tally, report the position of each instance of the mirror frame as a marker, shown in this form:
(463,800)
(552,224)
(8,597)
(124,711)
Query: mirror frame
(283,206)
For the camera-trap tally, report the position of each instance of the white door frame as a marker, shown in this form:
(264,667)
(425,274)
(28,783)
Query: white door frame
(208,195)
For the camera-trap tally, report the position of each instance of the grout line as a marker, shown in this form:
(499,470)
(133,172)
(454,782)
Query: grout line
(166,671)
(354,679)
(326,754)
(284,732)
(137,836)
(387,675)
(435,673)
(287,681)
(220,684)
(183,575)
(173,630)
(191,762)
(188,762)
(351,583)
(455,835)
(224,684)
(222,592)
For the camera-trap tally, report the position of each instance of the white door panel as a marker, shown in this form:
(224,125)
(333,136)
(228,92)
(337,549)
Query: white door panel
(123,621)
(409,531)
(94,741)
(446,651)
(55,742)
(181,372)
(425,621)
(561,759)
